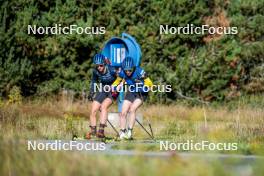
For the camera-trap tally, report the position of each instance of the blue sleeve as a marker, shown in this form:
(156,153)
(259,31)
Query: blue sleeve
(140,73)
(93,81)
(121,74)
(112,70)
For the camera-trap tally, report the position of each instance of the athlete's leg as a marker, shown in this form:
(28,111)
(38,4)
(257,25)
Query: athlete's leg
(95,107)
(125,107)
(104,110)
(103,116)
(132,112)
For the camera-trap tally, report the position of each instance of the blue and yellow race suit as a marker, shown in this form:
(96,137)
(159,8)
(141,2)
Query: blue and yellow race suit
(138,83)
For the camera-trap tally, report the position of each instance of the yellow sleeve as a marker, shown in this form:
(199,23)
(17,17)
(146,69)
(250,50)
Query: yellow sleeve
(117,81)
(148,82)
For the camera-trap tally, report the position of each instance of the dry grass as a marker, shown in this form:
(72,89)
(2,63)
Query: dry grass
(55,109)
(243,117)
(60,118)
(244,114)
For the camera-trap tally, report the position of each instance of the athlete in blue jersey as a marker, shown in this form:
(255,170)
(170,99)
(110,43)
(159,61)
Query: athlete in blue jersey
(138,84)
(103,75)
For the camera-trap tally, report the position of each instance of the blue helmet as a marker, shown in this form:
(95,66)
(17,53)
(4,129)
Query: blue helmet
(99,59)
(128,63)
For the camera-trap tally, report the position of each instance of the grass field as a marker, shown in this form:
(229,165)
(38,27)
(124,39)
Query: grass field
(240,122)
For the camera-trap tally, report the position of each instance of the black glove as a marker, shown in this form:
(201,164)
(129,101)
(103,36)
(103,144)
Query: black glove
(90,96)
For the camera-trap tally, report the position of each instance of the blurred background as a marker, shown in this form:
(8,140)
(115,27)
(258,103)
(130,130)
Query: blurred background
(208,67)
(217,82)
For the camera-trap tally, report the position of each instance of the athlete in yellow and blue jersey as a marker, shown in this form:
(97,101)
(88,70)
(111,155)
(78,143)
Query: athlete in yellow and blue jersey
(138,84)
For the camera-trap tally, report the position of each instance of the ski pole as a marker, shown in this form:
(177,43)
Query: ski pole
(150,127)
(144,128)
(151,130)
(113,127)
(148,120)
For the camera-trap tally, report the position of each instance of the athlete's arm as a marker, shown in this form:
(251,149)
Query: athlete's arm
(93,81)
(145,78)
(117,81)
(113,71)
(148,82)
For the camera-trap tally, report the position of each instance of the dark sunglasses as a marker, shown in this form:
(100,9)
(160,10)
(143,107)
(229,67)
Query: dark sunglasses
(101,65)
(128,71)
